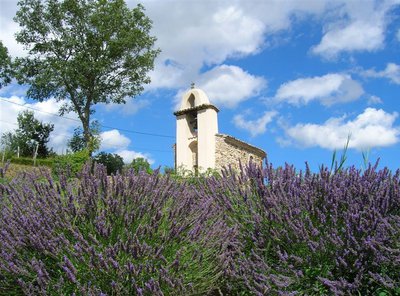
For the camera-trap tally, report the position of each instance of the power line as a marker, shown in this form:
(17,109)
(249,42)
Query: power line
(115,146)
(104,126)
(50,113)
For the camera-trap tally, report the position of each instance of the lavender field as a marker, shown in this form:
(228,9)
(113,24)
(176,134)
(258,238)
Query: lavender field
(270,231)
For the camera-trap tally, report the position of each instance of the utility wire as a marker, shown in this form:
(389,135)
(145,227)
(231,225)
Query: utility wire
(104,126)
(117,146)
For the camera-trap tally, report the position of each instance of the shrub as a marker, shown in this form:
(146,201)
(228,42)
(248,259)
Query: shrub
(314,234)
(113,162)
(140,164)
(132,234)
(70,163)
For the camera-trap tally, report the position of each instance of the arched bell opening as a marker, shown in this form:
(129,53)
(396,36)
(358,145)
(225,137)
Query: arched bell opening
(191,101)
(192,122)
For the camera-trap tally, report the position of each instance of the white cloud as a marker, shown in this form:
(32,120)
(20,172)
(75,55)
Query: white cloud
(62,127)
(227,86)
(254,127)
(374,100)
(398,35)
(328,89)
(357,36)
(113,139)
(391,72)
(9,112)
(197,33)
(129,155)
(9,28)
(372,128)
(357,25)
(167,75)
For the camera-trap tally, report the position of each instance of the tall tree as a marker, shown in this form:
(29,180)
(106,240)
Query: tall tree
(85,52)
(5,66)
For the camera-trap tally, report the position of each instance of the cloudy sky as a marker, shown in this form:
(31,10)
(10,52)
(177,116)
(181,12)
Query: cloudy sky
(295,78)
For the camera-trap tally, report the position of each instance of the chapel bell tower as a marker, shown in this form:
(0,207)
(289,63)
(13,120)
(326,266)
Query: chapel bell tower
(196,127)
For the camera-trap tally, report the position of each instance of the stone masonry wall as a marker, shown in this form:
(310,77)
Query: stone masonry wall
(230,150)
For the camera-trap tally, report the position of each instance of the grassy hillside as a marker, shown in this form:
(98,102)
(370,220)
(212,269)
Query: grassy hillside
(14,169)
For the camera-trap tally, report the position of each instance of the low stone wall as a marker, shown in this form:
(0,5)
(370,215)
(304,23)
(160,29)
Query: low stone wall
(230,150)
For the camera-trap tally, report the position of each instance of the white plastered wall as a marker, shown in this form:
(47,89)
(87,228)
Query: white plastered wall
(182,135)
(207,129)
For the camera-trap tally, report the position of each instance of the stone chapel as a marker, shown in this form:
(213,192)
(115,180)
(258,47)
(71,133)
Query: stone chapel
(199,146)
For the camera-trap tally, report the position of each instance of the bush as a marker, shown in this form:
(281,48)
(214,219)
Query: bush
(132,234)
(314,234)
(113,162)
(70,164)
(140,164)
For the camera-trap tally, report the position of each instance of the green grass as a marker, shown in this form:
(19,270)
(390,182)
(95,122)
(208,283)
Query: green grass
(14,170)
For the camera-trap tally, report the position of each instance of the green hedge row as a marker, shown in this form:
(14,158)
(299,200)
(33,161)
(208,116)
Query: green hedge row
(29,161)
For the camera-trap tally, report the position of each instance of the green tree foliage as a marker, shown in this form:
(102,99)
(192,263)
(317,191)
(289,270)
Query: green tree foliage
(5,66)
(30,133)
(84,52)
(140,164)
(113,162)
(77,142)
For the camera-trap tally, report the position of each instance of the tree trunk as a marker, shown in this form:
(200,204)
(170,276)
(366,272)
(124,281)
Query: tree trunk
(87,134)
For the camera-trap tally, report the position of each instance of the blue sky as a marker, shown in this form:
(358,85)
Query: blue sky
(294,78)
